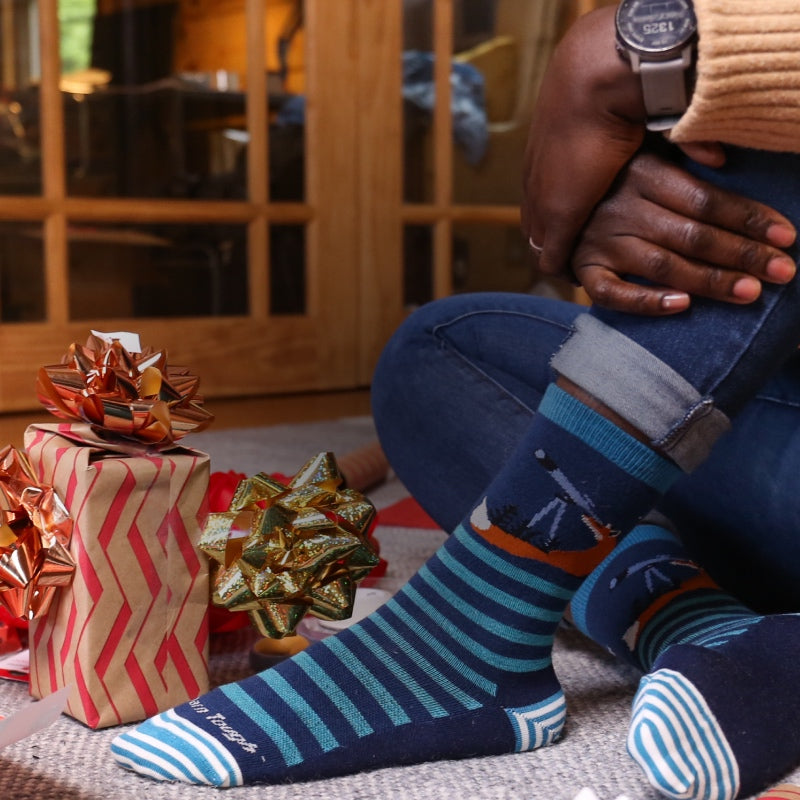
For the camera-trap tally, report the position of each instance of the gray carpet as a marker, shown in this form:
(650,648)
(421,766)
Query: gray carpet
(70,761)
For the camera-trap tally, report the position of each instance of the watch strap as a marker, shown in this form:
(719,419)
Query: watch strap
(665,89)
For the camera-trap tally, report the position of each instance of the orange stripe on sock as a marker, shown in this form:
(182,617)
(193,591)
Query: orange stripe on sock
(574,562)
(700,581)
(510,544)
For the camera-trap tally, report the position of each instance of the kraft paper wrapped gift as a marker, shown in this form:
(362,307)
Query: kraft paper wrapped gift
(130,635)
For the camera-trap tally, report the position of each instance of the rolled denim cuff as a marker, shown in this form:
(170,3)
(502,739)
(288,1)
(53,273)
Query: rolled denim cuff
(643,390)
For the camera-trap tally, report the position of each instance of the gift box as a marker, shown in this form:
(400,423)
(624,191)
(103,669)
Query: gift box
(130,634)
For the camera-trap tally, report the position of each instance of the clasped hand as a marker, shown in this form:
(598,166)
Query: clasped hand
(638,232)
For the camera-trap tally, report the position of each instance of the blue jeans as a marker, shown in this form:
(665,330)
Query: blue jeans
(459,382)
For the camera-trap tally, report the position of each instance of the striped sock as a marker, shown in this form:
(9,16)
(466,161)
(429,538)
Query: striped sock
(710,718)
(458,663)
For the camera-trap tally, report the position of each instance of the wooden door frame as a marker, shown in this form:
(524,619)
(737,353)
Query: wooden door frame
(252,354)
(354,216)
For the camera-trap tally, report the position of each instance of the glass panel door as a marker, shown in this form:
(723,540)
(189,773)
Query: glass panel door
(20,117)
(193,178)
(471,71)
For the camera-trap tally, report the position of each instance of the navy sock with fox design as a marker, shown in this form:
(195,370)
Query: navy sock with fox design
(710,717)
(458,663)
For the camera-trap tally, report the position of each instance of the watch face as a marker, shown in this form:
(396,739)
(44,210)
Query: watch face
(656,26)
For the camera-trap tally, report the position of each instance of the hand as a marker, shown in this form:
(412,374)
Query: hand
(588,122)
(684,235)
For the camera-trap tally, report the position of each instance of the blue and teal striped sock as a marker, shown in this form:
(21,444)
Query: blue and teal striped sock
(458,663)
(710,719)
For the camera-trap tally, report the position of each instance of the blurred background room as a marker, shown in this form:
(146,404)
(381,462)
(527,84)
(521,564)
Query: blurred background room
(262,187)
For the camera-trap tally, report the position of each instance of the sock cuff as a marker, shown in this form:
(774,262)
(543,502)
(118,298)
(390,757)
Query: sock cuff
(618,446)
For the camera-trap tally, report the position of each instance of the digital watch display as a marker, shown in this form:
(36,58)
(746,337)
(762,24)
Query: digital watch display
(656,27)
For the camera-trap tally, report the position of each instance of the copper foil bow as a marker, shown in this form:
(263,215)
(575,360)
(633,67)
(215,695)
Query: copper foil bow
(287,550)
(132,395)
(35,529)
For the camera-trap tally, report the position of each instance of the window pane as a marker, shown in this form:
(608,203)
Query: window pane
(417,265)
(501,49)
(287,156)
(287,274)
(156,271)
(491,258)
(153,98)
(418,100)
(286,76)
(22,289)
(20,156)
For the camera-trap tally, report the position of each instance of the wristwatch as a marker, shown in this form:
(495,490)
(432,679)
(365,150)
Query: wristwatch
(659,39)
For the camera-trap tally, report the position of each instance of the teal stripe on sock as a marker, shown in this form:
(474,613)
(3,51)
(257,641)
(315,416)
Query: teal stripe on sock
(687,632)
(489,657)
(175,749)
(321,678)
(163,759)
(538,724)
(669,627)
(481,620)
(497,595)
(312,721)
(369,681)
(527,579)
(421,632)
(619,447)
(722,632)
(281,739)
(201,742)
(403,676)
(458,694)
(714,600)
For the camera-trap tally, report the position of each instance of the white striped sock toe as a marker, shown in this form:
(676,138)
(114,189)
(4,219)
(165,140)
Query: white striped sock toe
(169,748)
(676,740)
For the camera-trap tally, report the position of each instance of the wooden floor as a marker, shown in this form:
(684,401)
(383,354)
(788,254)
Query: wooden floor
(238,413)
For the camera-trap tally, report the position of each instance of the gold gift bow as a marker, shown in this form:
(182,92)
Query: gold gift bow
(132,395)
(35,530)
(283,551)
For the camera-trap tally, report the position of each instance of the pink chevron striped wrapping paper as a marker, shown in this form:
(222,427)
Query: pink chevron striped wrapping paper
(131,632)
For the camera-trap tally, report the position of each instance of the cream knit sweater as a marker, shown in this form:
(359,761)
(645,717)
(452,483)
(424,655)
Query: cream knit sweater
(748,78)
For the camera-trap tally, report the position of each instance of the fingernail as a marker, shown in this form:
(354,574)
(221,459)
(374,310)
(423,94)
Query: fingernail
(747,289)
(781,235)
(781,269)
(674,302)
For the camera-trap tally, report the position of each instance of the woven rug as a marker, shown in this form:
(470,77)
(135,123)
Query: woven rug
(69,761)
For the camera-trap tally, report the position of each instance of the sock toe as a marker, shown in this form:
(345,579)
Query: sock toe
(170,748)
(677,741)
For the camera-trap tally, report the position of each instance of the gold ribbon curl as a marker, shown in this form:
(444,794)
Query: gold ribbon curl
(285,550)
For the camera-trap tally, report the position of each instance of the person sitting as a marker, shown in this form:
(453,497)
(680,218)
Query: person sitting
(544,467)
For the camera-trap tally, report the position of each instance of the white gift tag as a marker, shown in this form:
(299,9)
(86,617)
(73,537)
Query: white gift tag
(130,341)
(588,794)
(33,718)
(366,601)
